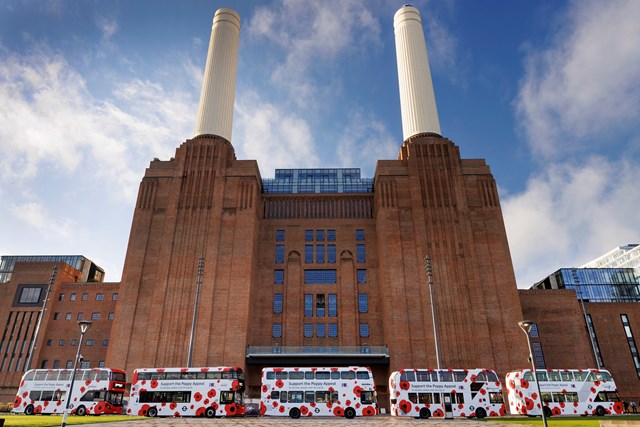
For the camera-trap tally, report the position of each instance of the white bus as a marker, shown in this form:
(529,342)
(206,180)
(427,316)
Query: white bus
(428,393)
(187,392)
(564,392)
(95,391)
(343,392)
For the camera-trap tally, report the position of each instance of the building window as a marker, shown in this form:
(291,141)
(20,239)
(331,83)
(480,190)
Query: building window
(99,297)
(30,295)
(105,343)
(277,303)
(279,235)
(319,277)
(112,316)
(101,364)
(85,297)
(594,339)
(114,296)
(276,330)
(320,254)
(320,305)
(308,235)
(278,277)
(331,235)
(308,330)
(331,254)
(360,254)
(80,316)
(69,364)
(359,235)
(72,297)
(90,343)
(534,331)
(538,355)
(308,305)
(49,342)
(67,316)
(333,330)
(56,315)
(333,305)
(60,298)
(56,364)
(362,276)
(279,254)
(74,342)
(364,330)
(308,254)
(320,235)
(43,365)
(632,342)
(320,330)
(363,303)
(86,364)
(95,315)
(61,342)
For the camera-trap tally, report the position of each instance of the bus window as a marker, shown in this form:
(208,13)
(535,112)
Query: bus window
(591,377)
(296,375)
(283,397)
(408,376)
(423,376)
(413,397)
(218,375)
(580,376)
(335,397)
(309,396)
(436,398)
(228,375)
(558,397)
(322,375)
(566,376)
(30,375)
(571,396)
(144,376)
(350,375)
(34,395)
(366,397)
(41,375)
(546,396)
(275,395)
(446,376)
(362,375)
(227,397)
(459,376)
(542,376)
(188,375)
(335,375)
(553,375)
(495,398)
(457,398)
(528,376)
(102,375)
(308,375)
(322,397)
(270,375)
(201,375)
(59,395)
(88,376)
(114,398)
(481,377)
(603,376)
(170,376)
(52,375)
(297,396)
(64,375)
(492,377)
(47,395)
(424,398)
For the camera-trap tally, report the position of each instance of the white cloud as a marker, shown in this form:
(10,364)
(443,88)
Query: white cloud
(34,215)
(570,214)
(588,84)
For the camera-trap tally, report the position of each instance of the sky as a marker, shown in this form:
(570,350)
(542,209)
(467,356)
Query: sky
(547,91)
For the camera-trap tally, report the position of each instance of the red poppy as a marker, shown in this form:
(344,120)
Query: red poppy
(368,411)
(304,410)
(338,411)
(200,411)
(529,403)
(197,396)
(405,406)
(438,413)
(618,408)
(173,405)
(556,411)
(357,390)
(281,409)
(143,411)
(231,408)
(263,409)
(524,383)
(17,402)
(154,383)
(264,388)
(235,385)
(279,384)
(404,385)
(211,393)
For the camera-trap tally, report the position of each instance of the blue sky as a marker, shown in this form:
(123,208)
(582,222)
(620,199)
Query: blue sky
(548,92)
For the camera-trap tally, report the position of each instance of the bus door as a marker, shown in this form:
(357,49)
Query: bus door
(448,407)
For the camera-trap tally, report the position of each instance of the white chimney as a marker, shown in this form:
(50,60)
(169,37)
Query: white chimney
(417,100)
(215,113)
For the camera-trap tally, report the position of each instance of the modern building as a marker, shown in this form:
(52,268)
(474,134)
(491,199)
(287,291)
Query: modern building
(89,271)
(625,256)
(321,266)
(35,335)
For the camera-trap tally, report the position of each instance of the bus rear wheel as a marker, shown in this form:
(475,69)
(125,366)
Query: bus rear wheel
(29,410)
(81,411)
(425,413)
(294,413)
(480,413)
(210,412)
(547,412)
(153,412)
(600,411)
(349,413)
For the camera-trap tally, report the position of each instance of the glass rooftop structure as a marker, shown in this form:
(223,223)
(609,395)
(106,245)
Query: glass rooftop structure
(8,262)
(595,284)
(317,181)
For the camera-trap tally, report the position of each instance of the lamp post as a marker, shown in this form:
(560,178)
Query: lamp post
(36,332)
(195,311)
(576,281)
(84,327)
(427,262)
(526,325)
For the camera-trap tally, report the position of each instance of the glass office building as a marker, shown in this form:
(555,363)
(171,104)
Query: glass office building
(93,272)
(317,181)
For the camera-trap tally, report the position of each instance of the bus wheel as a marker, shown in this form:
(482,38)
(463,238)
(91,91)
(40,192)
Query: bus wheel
(600,411)
(349,413)
(547,412)
(294,413)
(480,413)
(153,412)
(28,410)
(425,413)
(81,411)
(210,412)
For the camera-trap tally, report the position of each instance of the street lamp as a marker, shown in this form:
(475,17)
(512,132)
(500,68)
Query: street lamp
(576,282)
(84,327)
(427,262)
(526,326)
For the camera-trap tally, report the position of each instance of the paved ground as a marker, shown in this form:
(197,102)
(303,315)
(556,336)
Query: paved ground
(380,420)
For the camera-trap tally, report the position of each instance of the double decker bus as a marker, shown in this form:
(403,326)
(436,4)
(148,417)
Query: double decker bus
(96,391)
(564,392)
(187,392)
(343,392)
(425,393)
